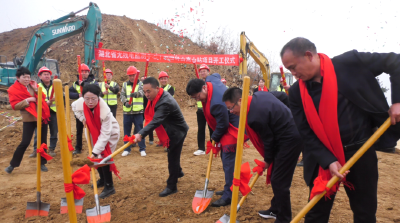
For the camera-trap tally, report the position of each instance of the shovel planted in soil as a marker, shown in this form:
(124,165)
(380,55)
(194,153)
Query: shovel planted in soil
(202,198)
(64,206)
(98,213)
(38,208)
(226,218)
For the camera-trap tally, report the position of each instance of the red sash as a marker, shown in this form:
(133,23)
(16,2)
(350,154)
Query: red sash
(229,139)
(262,89)
(93,122)
(148,116)
(325,123)
(18,92)
(257,141)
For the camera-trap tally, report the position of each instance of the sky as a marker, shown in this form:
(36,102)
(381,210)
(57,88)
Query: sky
(335,26)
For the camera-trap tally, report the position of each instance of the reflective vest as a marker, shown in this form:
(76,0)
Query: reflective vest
(279,88)
(167,87)
(78,88)
(110,98)
(137,103)
(199,104)
(48,94)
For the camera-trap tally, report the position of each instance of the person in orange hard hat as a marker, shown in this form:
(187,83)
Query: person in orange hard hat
(133,113)
(204,71)
(109,92)
(75,93)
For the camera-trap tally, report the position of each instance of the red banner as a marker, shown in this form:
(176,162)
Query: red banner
(115,55)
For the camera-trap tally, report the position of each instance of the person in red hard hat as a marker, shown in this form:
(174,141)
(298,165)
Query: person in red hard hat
(133,113)
(163,78)
(75,93)
(224,82)
(204,71)
(110,96)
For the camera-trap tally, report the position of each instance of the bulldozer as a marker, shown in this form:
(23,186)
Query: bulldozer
(47,34)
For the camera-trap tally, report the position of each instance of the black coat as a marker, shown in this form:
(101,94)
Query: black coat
(355,73)
(168,114)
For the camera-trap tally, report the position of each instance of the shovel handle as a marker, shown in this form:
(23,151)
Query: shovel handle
(209,163)
(251,187)
(346,167)
(39,138)
(89,141)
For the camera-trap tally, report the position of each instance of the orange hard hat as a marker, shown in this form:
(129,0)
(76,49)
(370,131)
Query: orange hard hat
(223,80)
(204,66)
(131,70)
(109,71)
(44,69)
(84,67)
(162,74)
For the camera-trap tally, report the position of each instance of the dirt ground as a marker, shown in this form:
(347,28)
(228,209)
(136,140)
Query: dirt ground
(143,178)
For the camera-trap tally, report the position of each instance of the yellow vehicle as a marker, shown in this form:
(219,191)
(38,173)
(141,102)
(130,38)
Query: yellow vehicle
(272,81)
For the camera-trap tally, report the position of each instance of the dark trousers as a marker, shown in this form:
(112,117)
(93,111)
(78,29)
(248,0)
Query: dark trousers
(79,130)
(28,128)
(136,120)
(53,132)
(174,161)
(228,163)
(363,199)
(283,168)
(106,175)
(201,129)
(113,109)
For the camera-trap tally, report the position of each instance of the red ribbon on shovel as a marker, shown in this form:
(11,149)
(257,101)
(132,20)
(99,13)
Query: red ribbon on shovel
(130,139)
(70,147)
(214,149)
(43,153)
(80,176)
(243,182)
(259,168)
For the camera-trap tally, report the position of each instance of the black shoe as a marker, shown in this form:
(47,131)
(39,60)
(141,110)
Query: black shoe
(267,214)
(219,193)
(301,163)
(77,152)
(43,168)
(220,203)
(52,153)
(33,154)
(387,150)
(181,174)
(167,192)
(100,183)
(108,191)
(9,169)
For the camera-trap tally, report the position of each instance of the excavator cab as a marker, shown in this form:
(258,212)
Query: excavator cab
(275,80)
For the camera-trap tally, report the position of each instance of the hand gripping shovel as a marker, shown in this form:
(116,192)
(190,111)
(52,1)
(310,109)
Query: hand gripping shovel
(98,213)
(106,161)
(202,198)
(38,208)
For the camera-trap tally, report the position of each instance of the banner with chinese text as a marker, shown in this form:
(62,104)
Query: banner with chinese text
(115,55)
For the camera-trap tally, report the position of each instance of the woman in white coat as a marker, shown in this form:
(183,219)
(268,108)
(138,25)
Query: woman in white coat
(95,114)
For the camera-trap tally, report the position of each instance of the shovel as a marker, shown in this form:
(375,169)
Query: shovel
(98,213)
(38,208)
(202,198)
(226,218)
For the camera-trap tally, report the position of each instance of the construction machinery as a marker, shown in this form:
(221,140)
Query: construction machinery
(272,80)
(47,34)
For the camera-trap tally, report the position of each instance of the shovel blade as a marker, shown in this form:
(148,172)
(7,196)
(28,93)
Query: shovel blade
(64,206)
(200,203)
(225,219)
(32,209)
(94,217)
(97,165)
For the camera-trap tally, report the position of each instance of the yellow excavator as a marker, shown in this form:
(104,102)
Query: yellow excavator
(272,80)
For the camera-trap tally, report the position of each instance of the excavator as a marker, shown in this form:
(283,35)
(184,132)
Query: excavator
(47,34)
(272,80)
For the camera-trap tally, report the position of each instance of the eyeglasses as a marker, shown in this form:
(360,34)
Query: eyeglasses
(196,96)
(231,109)
(91,99)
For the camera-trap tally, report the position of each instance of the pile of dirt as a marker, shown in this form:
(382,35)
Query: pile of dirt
(122,33)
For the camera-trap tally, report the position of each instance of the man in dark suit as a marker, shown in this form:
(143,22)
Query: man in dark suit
(336,105)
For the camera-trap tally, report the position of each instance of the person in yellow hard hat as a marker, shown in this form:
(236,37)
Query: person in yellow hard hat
(133,113)
(109,92)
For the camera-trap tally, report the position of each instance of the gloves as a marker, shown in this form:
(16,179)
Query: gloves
(135,95)
(128,105)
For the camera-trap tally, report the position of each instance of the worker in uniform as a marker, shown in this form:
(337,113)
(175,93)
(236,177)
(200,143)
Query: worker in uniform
(47,87)
(75,93)
(224,82)
(165,117)
(109,92)
(272,130)
(222,123)
(133,113)
(281,87)
(163,78)
(336,104)
(204,71)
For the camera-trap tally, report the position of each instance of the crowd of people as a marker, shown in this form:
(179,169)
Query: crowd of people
(333,108)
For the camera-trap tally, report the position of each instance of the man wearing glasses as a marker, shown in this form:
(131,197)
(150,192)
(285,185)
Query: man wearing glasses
(222,122)
(271,129)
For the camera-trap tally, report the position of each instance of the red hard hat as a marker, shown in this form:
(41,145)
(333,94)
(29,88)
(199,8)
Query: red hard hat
(204,66)
(84,67)
(131,70)
(162,74)
(223,80)
(44,69)
(138,71)
(109,71)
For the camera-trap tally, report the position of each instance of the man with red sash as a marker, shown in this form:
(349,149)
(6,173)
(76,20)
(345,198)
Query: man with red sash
(223,124)
(163,115)
(336,104)
(271,129)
